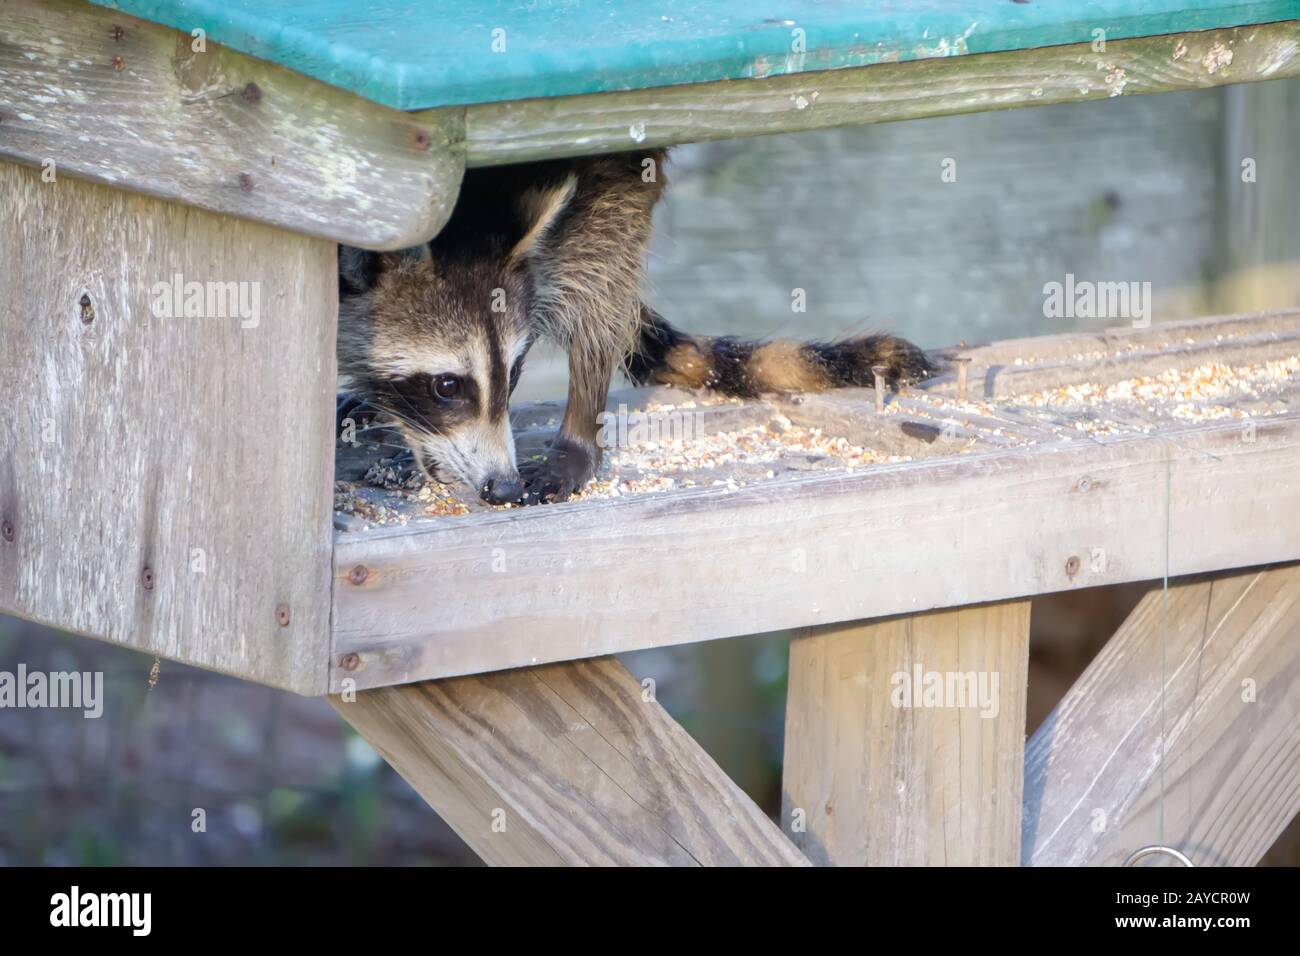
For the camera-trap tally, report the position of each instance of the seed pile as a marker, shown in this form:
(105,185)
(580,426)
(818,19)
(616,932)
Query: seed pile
(1208,392)
(730,454)
(730,459)
(394,493)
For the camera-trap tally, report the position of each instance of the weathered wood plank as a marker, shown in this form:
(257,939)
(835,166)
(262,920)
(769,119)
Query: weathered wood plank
(566,764)
(1227,658)
(108,97)
(1021,365)
(165,483)
(1210,332)
(521,130)
(880,773)
(580,579)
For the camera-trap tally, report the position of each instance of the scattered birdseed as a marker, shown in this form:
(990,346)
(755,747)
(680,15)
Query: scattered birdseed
(773,447)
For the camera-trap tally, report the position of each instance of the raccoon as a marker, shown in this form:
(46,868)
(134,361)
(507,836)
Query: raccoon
(436,336)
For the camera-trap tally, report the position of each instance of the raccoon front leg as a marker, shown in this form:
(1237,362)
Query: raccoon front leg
(586,264)
(574,456)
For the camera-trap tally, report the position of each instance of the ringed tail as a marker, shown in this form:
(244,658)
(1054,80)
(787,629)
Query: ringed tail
(746,369)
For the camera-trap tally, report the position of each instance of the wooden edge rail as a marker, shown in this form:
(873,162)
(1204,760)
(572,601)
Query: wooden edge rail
(1184,731)
(520,130)
(586,579)
(94,93)
(570,764)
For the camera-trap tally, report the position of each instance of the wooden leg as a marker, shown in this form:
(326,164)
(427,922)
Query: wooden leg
(1229,716)
(904,739)
(571,763)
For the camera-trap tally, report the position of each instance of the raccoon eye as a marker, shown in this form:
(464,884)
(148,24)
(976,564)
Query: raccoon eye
(446,388)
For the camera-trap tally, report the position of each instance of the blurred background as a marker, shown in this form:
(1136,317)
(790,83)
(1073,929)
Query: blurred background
(1135,188)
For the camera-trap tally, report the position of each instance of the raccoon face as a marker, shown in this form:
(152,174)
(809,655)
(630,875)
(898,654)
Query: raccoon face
(443,349)
(438,339)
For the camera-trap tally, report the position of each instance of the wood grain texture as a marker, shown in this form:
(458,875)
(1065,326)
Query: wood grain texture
(118,100)
(165,483)
(584,579)
(876,776)
(1024,365)
(570,764)
(521,130)
(1228,663)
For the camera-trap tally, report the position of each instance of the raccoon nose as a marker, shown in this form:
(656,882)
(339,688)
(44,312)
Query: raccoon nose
(502,490)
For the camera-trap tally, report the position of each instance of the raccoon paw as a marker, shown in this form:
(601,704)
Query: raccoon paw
(566,467)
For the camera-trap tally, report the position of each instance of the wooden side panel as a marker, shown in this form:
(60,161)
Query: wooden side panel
(567,764)
(165,483)
(1229,652)
(114,99)
(574,580)
(515,131)
(904,739)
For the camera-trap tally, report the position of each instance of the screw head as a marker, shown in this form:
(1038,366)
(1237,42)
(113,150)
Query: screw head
(7,531)
(246,182)
(1072,565)
(350,662)
(147,578)
(119,64)
(282,615)
(358,574)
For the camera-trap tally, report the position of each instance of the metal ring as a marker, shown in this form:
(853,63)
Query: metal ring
(1157,850)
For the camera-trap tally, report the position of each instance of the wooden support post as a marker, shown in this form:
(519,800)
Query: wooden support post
(166,470)
(565,764)
(904,739)
(1230,716)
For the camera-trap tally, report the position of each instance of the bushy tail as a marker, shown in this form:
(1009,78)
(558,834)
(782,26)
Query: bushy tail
(731,366)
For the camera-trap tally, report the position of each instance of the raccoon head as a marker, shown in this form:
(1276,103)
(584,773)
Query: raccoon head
(439,348)
(438,343)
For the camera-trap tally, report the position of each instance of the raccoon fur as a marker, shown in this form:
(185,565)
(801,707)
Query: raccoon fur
(436,336)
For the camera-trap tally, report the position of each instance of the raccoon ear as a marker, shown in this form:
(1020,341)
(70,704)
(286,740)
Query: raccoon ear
(358,270)
(412,254)
(541,208)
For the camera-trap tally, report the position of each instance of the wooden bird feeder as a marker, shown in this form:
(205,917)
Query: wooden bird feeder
(169,484)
